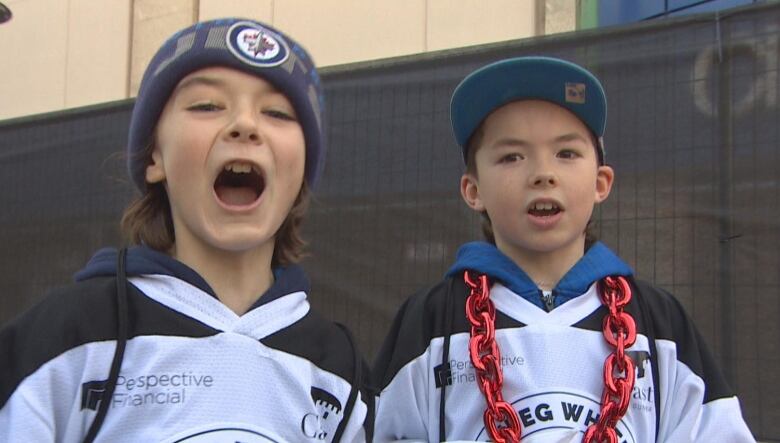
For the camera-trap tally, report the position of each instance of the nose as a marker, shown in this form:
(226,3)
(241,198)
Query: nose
(545,179)
(243,128)
(543,175)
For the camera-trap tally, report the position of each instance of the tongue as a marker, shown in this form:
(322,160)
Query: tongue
(236,196)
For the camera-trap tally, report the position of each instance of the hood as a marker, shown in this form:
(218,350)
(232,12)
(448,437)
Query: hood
(597,263)
(144,260)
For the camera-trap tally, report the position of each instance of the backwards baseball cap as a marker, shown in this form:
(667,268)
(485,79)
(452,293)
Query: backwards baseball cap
(528,78)
(245,45)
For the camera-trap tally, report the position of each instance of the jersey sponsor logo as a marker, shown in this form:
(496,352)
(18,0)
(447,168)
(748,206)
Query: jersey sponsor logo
(462,371)
(165,388)
(642,394)
(256,46)
(642,398)
(92,393)
(226,433)
(560,410)
(322,424)
(640,359)
(442,375)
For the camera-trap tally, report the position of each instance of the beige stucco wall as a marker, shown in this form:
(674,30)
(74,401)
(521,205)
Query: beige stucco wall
(153,21)
(345,31)
(59,54)
(456,23)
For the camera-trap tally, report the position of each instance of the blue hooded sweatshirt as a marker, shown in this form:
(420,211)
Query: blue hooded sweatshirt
(145,260)
(597,263)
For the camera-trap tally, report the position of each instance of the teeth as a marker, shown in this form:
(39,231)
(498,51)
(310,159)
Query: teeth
(544,206)
(239,168)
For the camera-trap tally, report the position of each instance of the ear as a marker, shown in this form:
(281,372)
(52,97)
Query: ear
(604,179)
(469,190)
(155,172)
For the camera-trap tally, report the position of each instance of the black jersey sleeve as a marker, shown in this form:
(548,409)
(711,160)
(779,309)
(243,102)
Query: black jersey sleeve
(699,405)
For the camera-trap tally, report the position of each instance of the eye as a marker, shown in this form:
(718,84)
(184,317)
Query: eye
(280,114)
(205,107)
(568,154)
(510,158)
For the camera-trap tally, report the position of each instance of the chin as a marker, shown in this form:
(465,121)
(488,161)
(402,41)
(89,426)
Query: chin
(242,242)
(545,247)
(544,244)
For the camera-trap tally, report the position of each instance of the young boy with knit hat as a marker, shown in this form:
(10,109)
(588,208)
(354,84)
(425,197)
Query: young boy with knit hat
(202,330)
(542,334)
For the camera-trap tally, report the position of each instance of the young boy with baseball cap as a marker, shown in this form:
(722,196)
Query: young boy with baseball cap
(542,333)
(202,330)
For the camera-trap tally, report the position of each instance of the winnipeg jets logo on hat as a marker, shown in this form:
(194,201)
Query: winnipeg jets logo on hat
(255,45)
(575,93)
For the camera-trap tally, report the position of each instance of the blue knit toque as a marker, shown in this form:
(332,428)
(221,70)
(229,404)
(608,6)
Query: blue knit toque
(242,44)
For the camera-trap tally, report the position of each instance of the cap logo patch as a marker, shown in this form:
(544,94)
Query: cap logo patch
(575,93)
(256,45)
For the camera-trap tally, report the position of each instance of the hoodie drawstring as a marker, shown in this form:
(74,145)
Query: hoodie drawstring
(651,337)
(356,382)
(445,363)
(119,351)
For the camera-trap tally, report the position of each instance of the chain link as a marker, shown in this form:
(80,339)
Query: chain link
(620,333)
(501,420)
(619,328)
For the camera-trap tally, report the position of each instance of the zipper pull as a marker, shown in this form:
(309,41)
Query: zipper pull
(549,300)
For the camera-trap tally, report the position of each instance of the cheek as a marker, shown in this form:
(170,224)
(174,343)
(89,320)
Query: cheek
(185,155)
(503,187)
(501,203)
(180,168)
(585,196)
(292,158)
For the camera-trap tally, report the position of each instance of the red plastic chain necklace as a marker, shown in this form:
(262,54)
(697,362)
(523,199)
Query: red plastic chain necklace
(501,420)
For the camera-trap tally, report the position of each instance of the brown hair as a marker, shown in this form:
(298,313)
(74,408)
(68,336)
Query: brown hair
(147,220)
(472,146)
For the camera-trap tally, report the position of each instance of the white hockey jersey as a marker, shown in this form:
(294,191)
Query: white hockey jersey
(192,370)
(552,361)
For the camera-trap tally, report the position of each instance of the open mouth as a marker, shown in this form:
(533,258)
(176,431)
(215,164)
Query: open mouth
(544,209)
(239,184)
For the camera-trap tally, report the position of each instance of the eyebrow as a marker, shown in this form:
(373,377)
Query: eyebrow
(570,137)
(518,142)
(510,142)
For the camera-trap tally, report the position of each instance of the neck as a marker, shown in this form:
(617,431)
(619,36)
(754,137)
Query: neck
(545,268)
(238,278)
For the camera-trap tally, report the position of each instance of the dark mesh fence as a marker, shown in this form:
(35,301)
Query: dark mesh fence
(692,132)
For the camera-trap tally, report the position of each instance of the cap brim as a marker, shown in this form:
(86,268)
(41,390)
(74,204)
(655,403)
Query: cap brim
(526,78)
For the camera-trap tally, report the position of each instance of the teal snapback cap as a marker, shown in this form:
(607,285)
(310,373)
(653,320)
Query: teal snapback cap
(528,78)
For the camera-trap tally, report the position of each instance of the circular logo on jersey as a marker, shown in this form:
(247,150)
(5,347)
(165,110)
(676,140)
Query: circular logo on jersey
(256,46)
(565,416)
(226,434)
